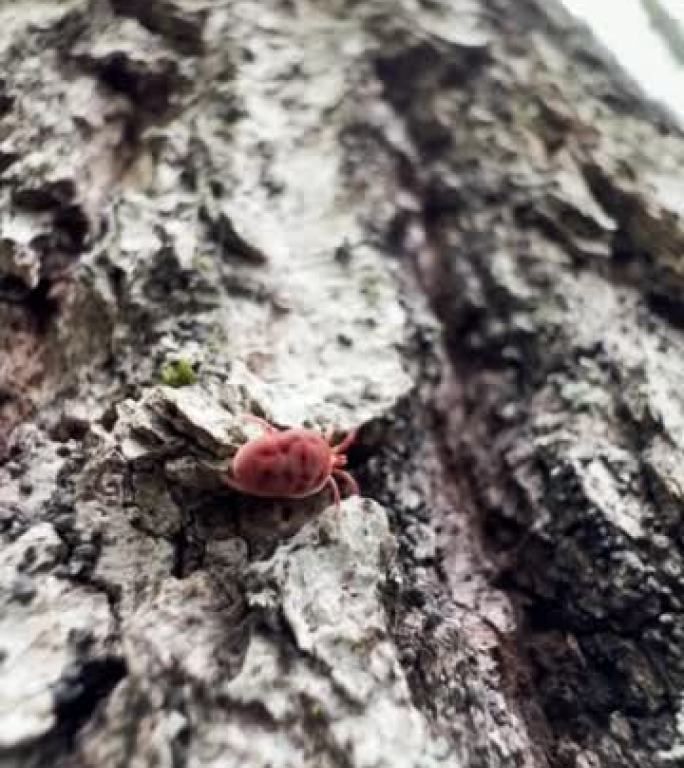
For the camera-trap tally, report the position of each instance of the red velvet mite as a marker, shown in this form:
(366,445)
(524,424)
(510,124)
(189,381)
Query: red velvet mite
(291,464)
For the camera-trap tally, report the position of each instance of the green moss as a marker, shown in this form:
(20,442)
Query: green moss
(371,288)
(203,263)
(178,373)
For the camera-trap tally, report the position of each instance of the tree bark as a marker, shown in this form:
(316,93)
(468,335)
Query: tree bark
(453,226)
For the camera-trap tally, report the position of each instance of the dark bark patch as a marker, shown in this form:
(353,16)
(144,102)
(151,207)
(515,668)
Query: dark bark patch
(82,687)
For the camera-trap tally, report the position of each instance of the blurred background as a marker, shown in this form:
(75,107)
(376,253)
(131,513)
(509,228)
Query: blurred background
(647,37)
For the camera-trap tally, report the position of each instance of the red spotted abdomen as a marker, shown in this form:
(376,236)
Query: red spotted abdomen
(295,463)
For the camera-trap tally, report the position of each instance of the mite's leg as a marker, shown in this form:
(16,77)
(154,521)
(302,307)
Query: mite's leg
(231,483)
(348,440)
(348,479)
(261,422)
(336,491)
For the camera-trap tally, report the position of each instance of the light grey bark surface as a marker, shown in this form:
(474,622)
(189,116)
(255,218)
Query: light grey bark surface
(452,225)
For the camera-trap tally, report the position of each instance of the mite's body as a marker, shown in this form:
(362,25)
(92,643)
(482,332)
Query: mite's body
(292,464)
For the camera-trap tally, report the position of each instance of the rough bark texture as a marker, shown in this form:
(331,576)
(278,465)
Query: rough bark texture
(454,225)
